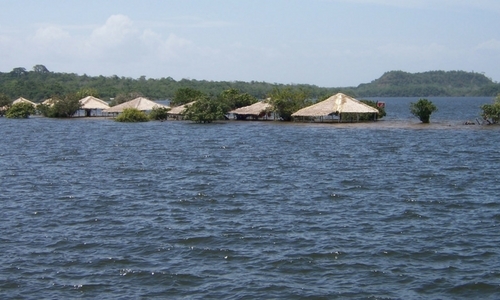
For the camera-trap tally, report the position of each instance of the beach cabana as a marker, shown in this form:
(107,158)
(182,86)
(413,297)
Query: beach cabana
(24,100)
(90,103)
(139,103)
(336,105)
(178,111)
(255,111)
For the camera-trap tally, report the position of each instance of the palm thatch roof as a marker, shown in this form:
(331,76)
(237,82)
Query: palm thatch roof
(139,103)
(91,102)
(48,102)
(338,103)
(253,110)
(179,110)
(23,100)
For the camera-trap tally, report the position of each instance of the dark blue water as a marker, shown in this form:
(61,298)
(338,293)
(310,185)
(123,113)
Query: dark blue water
(92,208)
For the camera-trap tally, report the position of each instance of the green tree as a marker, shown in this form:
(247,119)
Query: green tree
(159,113)
(234,99)
(185,95)
(20,110)
(205,110)
(132,115)
(287,101)
(491,112)
(64,107)
(423,109)
(5,102)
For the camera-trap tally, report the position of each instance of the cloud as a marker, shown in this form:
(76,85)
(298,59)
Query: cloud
(117,29)
(491,45)
(50,34)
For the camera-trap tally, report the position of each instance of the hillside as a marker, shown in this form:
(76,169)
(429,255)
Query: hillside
(432,83)
(40,83)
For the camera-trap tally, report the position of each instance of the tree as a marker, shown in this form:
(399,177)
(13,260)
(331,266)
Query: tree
(159,113)
(234,99)
(423,109)
(185,95)
(62,108)
(287,101)
(132,115)
(40,69)
(20,110)
(491,112)
(205,110)
(5,102)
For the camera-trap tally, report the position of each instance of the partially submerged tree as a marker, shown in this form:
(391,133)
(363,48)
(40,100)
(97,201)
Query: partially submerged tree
(205,110)
(20,110)
(159,113)
(64,107)
(491,112)
(132,115)
(423,109)
(235,99)
(287,101)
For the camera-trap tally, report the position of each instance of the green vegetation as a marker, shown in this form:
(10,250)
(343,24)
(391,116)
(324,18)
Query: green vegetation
(205,110)
(423,109)
(64,107)
(432,83)
(287,101)
(185,95)
(20,110)
(132,115)
(159,113)
(491,112)
(5,102)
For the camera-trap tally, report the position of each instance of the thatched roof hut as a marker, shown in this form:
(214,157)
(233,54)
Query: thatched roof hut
(91,102)
(179,110)
(48,102)
(23,100)
(139,103)
(256,110)
(337,104)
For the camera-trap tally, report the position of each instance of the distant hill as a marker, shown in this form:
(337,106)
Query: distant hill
(432,83)
(40,83)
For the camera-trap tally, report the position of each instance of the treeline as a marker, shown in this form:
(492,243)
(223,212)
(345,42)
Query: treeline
(427,84)
(39,83)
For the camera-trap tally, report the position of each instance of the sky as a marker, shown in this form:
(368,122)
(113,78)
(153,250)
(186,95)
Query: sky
(328,43)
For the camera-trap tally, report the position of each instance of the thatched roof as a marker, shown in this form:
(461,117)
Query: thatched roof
(48,102)
(23,100)
(139,103)
(338,103)
(179,110)
(254,109)
(91,102)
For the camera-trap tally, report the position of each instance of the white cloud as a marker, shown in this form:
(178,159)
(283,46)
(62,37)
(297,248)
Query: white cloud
(116,30)
(491,45)
(50,34)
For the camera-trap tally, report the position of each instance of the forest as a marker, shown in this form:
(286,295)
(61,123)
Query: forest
(39,83)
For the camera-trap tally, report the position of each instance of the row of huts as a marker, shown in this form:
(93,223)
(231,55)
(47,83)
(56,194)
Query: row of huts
(330,109)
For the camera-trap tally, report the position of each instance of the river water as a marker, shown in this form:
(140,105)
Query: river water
(395,209)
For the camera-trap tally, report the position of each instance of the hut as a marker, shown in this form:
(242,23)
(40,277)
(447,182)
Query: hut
(178,111)
(90,103)
(255,111)
(49,102)
(336,105)
(139,103)
(23,100)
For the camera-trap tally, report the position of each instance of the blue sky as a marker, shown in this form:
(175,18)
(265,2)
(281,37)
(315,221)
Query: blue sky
(329,43)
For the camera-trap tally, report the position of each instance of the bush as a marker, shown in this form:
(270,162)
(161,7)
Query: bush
(205,110)
(491,112)
(132,115)
(62,108)
(423,109)
(159,113)
(20,110)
